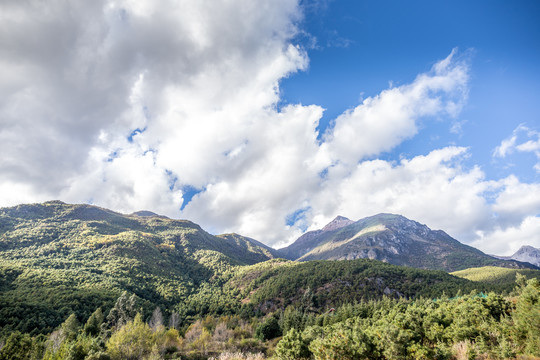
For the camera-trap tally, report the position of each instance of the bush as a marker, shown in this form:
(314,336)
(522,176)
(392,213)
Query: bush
(268,330)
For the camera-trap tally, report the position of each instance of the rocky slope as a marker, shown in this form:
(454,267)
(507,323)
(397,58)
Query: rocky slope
(393,239)
(527,254)
(312,239)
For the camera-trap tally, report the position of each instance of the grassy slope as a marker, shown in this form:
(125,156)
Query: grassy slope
(495,275)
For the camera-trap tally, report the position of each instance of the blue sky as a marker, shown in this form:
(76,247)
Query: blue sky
(359,47)
(271,117)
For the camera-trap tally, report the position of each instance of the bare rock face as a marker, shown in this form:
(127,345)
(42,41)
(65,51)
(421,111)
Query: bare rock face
(337,223)
(527,254)
(389,238)
(308,241)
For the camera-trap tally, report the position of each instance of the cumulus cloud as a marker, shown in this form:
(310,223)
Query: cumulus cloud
(128,103)
(433,188)
(506,241)
(384,121)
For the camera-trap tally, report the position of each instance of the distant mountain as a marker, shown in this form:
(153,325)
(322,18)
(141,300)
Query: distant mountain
(527,254)
(393,239)
(252,246)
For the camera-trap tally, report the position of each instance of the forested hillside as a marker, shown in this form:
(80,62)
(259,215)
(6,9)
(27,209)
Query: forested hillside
(503,277)
(58,258)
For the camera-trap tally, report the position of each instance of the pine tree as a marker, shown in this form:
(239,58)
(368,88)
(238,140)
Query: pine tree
(93,324)
(122,312)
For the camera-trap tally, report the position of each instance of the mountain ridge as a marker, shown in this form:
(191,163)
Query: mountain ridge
(526,253)
(394,239)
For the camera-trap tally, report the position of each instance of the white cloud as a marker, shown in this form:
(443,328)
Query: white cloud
(506,241)
(384,121)
(516,200)
(124,103)
(81,77)
(524,140)
(431,188)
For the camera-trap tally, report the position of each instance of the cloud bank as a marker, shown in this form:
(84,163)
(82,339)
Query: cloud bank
(166,105)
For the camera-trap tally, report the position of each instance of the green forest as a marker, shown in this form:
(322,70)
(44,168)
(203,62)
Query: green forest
(81,282)
(470,326)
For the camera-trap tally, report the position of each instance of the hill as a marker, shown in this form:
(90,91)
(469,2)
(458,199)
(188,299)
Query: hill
(57,258)
(276,284)
(318,285)
(393,239)
(496,275)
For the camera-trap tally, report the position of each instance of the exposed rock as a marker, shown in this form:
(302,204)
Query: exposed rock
(393,239)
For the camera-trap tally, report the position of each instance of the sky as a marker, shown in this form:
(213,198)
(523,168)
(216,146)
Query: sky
(270,118)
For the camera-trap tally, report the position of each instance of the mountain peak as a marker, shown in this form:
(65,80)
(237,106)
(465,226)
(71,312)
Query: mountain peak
(338,222)
(528,254)
(527,248)
(391,238)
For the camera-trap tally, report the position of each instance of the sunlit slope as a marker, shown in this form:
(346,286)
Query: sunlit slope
(393,239)
(495,275)
(58,258)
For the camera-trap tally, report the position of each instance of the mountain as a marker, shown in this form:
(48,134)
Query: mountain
(393,239)
(312,239)
(57,258)
(257,250)
(527,254)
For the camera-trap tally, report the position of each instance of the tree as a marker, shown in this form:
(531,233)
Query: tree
(269,329)
(527,315)
(93,324)
(122,312)
(70,327)
(17,346)
(292,346)
(174,320)
(132,341)
(344,341)
(156,321)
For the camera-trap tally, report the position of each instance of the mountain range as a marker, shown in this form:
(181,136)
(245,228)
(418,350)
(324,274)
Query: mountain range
(57,259)
(393,239)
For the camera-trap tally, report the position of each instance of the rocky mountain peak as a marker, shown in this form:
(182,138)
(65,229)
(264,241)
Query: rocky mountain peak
(337,223)
(528,254)
(526,249)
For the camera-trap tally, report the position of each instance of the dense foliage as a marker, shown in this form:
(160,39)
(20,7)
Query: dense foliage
(57,259)
(467,327)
